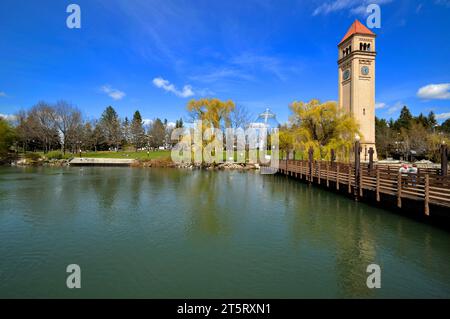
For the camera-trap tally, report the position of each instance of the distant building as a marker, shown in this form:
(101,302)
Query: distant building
(264,124)
(266,120)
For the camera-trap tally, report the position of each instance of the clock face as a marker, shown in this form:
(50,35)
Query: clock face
(346,74)
(365,70)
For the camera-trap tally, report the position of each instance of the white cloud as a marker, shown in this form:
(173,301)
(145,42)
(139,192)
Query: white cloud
(113,93)
(389,109)
(443,2)
(205,92)
(395,108)
(187,91)
(356,7)
(443,116)
(380,106)
(8,117)
(435,92)
(2,94)
(147,122)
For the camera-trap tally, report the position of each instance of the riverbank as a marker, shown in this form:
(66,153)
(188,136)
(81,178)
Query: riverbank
(137,163)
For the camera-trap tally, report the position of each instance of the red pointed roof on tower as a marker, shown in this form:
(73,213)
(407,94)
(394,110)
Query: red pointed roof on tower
(357,28)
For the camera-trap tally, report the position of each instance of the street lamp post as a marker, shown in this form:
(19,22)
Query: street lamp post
(311,159)
(79,147)
(371,152)
(357,165)
(444,159)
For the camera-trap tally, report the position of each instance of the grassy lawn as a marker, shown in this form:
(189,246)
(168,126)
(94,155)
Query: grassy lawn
(128,155)
(107,154)
(142,155)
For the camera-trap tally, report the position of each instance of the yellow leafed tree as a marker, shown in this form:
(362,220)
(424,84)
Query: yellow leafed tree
(322,126)
(213,112)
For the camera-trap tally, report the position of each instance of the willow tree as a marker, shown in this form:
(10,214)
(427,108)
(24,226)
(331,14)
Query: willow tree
(7,135)
(322,126)
(286,140)
(212,112)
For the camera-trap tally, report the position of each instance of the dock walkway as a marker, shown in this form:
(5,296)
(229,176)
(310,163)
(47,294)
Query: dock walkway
(427,186)
(101,162)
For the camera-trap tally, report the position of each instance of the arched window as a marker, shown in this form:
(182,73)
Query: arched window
(350,49)
(364,111)
(368,47)
(360,46)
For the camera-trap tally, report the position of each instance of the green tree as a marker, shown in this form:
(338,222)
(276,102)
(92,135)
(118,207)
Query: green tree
(7,137)
(110,125)
(383,137)
(98,139)
(179,123)
(445,126)
(157,133)
(137,131)
(422,120)
(126,131)
(405,119)
(431,121)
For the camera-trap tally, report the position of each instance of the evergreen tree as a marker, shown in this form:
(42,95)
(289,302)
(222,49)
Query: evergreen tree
(137,131)
(126,131)
(431,121)
(157,133)
(110,125)
(405,119)
(422,120)
(445,127)
(179,123)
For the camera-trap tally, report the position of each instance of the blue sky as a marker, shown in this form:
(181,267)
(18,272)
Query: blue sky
(156,55)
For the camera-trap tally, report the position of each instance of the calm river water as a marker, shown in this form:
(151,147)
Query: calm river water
(166,233)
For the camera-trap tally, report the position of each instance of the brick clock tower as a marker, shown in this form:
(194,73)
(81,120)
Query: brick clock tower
(357,81)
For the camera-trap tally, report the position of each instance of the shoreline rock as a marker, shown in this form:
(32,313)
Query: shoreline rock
(154,163)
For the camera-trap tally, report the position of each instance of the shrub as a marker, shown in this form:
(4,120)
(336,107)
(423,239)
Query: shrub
(32,156)
(55,155)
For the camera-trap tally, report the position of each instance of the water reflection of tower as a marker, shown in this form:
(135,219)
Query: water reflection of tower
(264,124)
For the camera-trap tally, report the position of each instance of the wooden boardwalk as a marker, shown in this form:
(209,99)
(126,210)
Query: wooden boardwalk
(427,187)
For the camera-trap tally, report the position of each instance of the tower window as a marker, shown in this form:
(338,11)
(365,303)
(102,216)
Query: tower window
(360,46)
(364,111)
(368,47)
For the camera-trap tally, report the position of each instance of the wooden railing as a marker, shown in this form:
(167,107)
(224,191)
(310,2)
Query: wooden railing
(426,186)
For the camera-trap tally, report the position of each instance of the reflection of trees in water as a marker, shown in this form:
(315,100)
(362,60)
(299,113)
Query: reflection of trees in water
(355,250)
(203,193)
(137,178)
(105,185)
(358,235)
(335,226)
